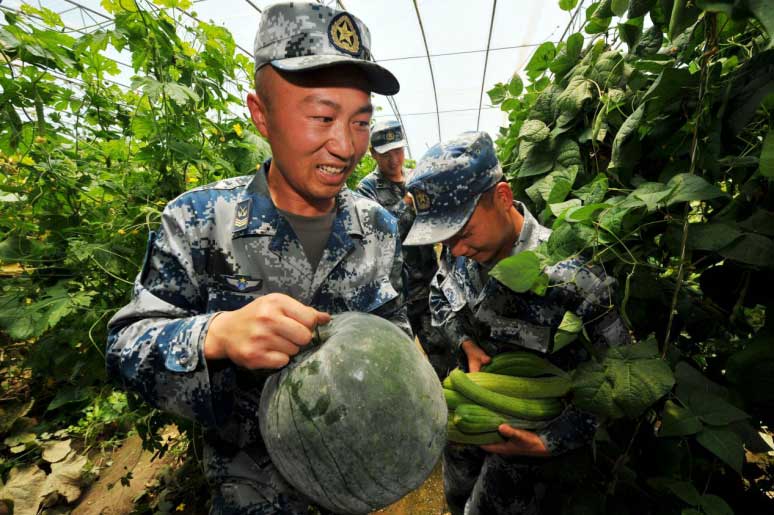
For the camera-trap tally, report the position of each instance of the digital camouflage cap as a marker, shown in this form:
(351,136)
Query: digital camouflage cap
(387,135)
(298,36)
(447,183)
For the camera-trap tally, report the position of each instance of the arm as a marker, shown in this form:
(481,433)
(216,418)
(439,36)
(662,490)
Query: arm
(396,310)
(164,346)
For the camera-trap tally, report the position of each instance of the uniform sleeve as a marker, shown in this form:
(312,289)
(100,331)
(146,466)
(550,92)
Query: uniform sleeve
(155,343)
(574,427)
(367,188)
(442,312)
(396,310)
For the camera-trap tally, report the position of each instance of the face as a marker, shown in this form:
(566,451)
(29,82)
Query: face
(391,162)
(317,124)
(487,236)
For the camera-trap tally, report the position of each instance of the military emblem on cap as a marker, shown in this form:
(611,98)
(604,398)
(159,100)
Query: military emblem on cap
(390,136)
(421,200)
(344,34)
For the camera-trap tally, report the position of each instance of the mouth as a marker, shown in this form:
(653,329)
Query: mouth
(331,171)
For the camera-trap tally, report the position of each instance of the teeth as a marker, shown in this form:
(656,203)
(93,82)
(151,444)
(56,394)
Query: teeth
(330,170)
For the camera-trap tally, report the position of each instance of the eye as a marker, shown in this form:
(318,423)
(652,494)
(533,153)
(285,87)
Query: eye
(324,119)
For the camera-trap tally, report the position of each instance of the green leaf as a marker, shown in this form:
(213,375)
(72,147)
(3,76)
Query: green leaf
(568,55)
(767,155)
(714,505)
(569,328)
(686,187)
(683,490)
(534,131)
(761,222)
(594,191)
(518,272)
(515,86)
(762,10)
(724,444)
(540,60)
(567,5)
(10,414)
(569,239)
(639,8)
(619,7)
(538,158)
(497,94)
(752,249)
(678,421)
(630,33)
(712,236)
(627,130)
(603,10)
(571,101)
(558,208)
(634,377)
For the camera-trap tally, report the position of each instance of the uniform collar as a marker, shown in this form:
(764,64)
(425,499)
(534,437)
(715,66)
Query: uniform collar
(532,233)
(382,181)
(256,215)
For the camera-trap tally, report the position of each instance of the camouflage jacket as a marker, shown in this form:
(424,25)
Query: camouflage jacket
(420,262)
(218,248)
(468,304)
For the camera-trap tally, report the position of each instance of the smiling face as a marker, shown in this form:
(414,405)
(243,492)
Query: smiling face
(390,163)
(492,229)
(317,123)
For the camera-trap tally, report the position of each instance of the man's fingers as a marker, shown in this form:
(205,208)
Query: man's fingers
(292,331)
(302,313)
(274,359)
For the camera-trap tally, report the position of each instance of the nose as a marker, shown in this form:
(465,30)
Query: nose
(456,246)
(341,142)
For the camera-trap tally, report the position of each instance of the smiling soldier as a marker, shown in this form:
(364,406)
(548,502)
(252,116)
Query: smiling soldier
(241,271)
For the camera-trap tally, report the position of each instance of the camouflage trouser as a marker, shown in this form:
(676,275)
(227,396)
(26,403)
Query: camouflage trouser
(476,482)
(247,482)
(431,339)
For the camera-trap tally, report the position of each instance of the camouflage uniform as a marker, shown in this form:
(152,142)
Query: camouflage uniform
(419,262)
(467,304)
(218,248)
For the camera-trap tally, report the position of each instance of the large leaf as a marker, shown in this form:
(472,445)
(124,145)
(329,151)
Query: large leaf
(712,409)
(627,131)
(752,249)
(686,187)
(714,505)
(724,444)
(540,60)
(570,102)
(678,421)
(534,131)
(712,237)
(632,378)
(518,272)
(24,487)
(767,155)
(683,490)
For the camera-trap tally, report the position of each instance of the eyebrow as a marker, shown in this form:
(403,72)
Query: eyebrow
(316,99)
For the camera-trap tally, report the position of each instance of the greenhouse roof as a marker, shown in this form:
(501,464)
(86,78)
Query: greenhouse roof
(440,93)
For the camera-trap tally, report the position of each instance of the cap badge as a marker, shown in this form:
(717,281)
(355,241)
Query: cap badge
(421,200)
(344,34)
(390,136)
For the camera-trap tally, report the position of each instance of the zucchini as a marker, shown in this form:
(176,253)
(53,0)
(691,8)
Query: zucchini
(454,435)
(453,399)
(524,387)
(472,418)
(530,409)
(522,364)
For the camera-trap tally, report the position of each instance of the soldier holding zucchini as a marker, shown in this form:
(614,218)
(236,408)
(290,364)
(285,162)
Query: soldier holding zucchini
(462,200)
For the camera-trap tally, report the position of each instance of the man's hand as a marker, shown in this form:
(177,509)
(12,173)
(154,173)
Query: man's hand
(408,199)
(264,333)
(519,443)
(476,355)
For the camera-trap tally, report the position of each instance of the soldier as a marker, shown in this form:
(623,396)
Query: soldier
(241,271)
(386,185)
(462,201)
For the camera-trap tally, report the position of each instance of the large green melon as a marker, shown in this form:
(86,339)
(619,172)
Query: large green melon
(357,422)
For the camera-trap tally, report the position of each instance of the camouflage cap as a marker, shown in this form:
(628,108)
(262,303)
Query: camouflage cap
(297,36)
(447,183)
(387,135)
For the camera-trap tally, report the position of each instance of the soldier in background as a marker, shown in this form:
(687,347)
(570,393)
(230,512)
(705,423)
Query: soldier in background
(387,185)
(462,201)
(241,271)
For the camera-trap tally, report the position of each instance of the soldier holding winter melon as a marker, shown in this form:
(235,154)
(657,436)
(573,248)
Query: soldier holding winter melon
(242,271)
(462,200)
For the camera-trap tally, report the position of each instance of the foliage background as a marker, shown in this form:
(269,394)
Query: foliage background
(644,141)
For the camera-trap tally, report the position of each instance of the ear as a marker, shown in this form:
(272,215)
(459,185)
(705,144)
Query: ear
(503,196)
(259,113)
